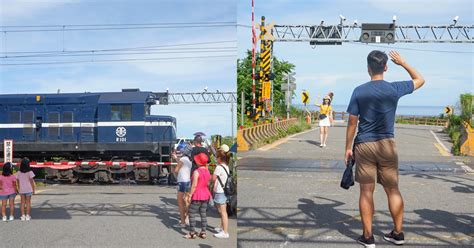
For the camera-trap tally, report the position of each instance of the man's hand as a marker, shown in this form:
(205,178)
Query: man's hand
(348,156)
(396,58)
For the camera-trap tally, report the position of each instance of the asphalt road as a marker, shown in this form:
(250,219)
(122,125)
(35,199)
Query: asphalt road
(107,216)
(289,194)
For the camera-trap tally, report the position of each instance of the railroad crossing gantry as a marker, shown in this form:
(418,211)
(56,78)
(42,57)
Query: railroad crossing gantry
(336,35)
(203,97)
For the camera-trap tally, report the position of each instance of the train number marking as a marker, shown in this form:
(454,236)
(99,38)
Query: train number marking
(121,132)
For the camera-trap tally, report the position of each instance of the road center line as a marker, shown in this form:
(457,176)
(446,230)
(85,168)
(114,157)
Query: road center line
(440,143)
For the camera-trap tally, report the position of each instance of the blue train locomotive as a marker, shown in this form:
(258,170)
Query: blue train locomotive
(109,126)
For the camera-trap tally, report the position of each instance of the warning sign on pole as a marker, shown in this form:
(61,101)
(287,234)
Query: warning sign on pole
(7,151)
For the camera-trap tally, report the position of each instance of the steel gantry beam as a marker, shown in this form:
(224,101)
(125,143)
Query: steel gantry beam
(202,97)
(352,33)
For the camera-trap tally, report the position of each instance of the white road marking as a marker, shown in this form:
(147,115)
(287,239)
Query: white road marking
(439,142)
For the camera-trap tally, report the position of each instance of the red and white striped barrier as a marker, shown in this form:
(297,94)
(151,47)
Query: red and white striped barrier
(72,164)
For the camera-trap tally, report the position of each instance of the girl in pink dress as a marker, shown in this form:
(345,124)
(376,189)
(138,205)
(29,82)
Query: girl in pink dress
(8,190)
(199,197)
(27,186)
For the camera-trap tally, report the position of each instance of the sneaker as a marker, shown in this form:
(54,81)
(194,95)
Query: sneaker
(321,145)
(366,242)
(28,218)
(324,145)
(392,237)
(217,229)
(23,218)
(222,235)
(4,218)
(11,218)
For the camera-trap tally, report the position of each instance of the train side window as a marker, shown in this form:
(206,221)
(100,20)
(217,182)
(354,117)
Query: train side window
(121,112)
(67,120)
(14,117)
(126,112)
(53,129)
(28,117)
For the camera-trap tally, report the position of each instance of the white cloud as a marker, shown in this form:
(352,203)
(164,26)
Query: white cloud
(420,6)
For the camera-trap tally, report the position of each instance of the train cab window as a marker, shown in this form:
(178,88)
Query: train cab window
(14,117)
(121,112)
(53,130)
(28,117)
(67,120)
(147,110)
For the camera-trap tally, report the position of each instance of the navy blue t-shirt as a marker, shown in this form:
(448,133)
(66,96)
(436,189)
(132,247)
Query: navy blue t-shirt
(375,103)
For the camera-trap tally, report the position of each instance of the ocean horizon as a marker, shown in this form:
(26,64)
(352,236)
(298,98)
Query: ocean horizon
(401,110)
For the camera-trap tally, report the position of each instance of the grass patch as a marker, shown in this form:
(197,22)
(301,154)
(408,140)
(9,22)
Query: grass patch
(281,133)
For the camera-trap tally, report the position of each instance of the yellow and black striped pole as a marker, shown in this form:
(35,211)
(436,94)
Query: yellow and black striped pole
(265,70)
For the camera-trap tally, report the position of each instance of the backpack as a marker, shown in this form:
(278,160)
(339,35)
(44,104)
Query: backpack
(228,186)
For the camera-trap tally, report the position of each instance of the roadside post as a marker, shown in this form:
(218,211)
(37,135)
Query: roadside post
(7,151)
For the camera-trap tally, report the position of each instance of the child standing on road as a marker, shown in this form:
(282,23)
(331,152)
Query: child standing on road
(27,187)
(8,190)
(199,196)
(221,173)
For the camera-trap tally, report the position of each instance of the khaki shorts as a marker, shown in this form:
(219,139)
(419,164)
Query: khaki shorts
(377,159)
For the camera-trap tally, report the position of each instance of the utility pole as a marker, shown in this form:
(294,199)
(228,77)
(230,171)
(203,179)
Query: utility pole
(242,108)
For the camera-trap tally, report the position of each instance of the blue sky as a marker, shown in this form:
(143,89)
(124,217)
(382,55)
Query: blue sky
(179,76)
(341,68)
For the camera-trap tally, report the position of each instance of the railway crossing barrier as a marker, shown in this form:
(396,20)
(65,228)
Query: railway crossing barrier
(467,139)
(251,137)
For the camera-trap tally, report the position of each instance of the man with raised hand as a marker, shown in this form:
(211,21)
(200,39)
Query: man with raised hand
(372,107)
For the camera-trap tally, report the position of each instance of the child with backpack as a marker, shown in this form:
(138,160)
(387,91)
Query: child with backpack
(220,178)
(8,190)
(27,187)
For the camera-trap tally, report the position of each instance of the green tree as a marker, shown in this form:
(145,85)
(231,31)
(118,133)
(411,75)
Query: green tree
(244,81)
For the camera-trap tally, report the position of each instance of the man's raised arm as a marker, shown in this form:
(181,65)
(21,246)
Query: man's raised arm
(418,80)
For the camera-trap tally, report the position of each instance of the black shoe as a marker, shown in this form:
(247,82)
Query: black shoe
(367,242)
(398,239)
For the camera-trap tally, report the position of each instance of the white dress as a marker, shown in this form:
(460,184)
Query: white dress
(325,122)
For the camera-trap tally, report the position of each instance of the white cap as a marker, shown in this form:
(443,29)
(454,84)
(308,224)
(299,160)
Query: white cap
(224,148)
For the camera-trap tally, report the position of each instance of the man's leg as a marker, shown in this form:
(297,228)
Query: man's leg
(366,207)
(395,204)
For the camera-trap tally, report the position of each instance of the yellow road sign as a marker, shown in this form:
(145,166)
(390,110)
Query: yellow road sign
(448,110)
(305,97)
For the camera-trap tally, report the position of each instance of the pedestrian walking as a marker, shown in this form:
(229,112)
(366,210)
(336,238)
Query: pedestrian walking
(199,196)
(372,108)
(184,182)
(26,184)
(8,191)
(325,119)
(220,176)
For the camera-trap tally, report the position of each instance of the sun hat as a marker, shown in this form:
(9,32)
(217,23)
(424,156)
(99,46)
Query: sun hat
(224,148)
(201,159)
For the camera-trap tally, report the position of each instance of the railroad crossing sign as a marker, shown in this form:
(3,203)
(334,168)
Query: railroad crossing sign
(8,151)
(305,97)
(448,110)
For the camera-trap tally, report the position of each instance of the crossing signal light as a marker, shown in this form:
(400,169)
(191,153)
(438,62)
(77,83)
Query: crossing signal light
(378,33)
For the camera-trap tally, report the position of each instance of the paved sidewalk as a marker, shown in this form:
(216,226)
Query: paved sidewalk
(107,216)
(289,196)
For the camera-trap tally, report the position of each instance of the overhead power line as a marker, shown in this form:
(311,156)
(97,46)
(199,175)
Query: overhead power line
(102,27)
(126,48)
(128,52)
(119,60)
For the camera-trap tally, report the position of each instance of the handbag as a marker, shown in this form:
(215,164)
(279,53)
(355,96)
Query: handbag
(322,116)
(348,177)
